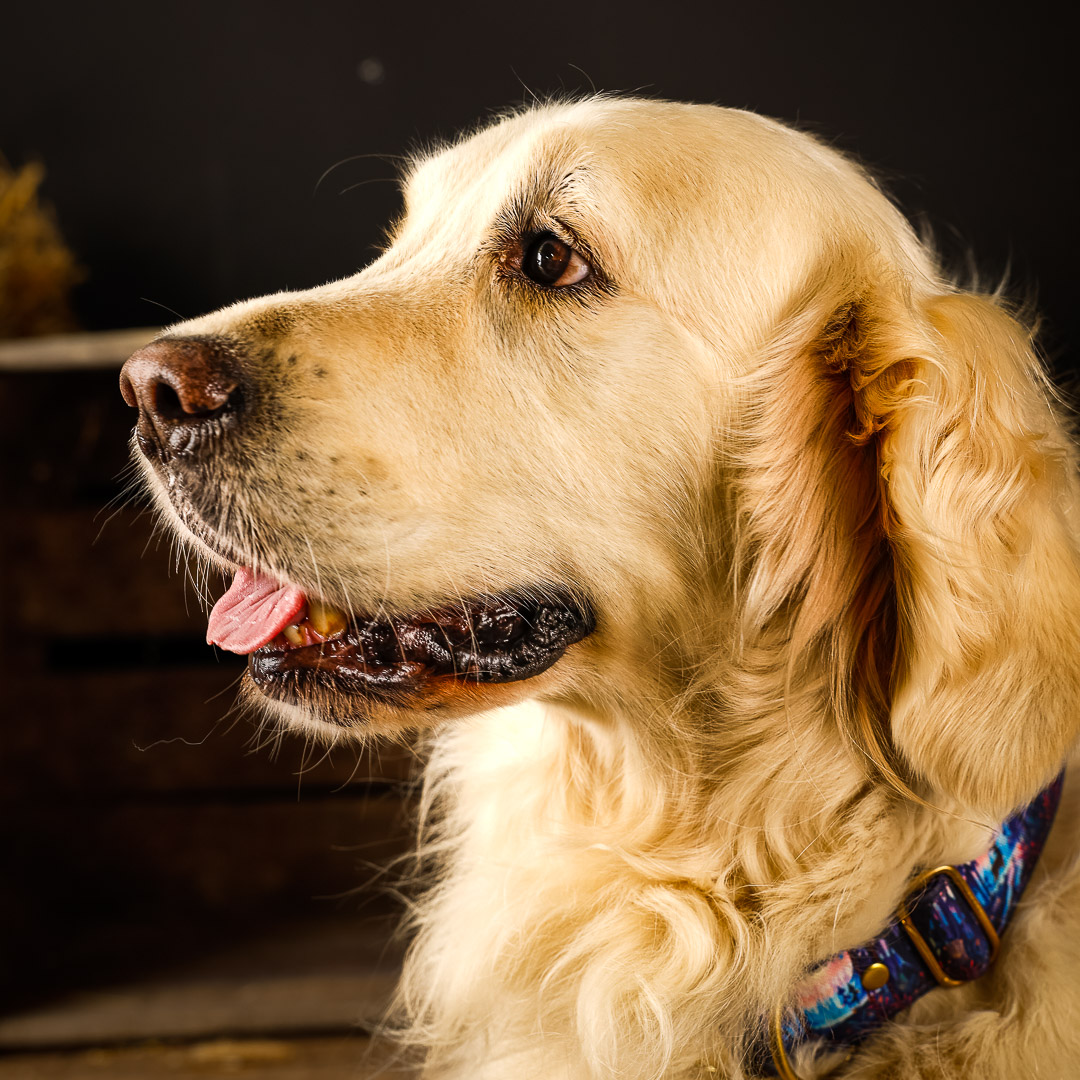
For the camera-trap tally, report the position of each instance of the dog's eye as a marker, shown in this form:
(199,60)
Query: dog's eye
(548,261)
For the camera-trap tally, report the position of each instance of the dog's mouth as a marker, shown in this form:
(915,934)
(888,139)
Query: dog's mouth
(298,645)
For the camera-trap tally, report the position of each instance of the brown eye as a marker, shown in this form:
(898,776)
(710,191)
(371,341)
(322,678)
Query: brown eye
(548,261)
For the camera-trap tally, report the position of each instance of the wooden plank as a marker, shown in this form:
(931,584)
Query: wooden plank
(312,977)
(65,352)
(75,735)
(195,1009)
(346,1056)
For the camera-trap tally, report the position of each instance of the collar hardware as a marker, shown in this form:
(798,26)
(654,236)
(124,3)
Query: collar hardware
(946,933)
(904,914)
(781,1064)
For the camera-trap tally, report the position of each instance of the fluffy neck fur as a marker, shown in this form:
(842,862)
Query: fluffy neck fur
(643,918)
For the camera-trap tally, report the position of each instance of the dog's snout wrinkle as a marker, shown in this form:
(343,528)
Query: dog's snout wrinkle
(187,391)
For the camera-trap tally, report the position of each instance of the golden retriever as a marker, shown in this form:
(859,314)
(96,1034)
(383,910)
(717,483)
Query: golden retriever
(727,548)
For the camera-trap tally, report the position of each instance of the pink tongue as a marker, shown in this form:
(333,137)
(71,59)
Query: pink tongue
(253,611)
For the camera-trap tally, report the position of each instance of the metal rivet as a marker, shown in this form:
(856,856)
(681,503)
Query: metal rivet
(875,976)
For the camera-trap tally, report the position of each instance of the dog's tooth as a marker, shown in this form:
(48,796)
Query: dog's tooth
(293,635)
(326,620)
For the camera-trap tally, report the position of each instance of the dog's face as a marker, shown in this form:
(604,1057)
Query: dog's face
(493,422)
(620,393)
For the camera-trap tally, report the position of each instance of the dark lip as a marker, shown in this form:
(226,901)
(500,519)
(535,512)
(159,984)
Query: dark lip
(399,659)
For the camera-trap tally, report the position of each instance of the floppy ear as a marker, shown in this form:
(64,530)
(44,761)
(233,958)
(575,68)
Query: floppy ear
(979,497)
(908,515)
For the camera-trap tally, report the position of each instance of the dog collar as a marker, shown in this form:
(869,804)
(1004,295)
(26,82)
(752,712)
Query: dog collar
(945,933)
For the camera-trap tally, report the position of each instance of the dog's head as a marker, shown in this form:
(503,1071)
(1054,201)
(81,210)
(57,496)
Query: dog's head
(641,401)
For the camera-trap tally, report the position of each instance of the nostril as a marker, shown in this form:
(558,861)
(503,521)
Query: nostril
(187,391)
(167,403)
(185,405)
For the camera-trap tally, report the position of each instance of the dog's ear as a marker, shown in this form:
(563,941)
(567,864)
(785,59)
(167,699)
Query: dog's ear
(912,526)
(980,502)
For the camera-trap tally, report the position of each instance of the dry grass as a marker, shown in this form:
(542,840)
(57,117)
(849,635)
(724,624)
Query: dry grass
(37,270)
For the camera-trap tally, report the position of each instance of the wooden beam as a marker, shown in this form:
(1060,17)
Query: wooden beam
(63,352)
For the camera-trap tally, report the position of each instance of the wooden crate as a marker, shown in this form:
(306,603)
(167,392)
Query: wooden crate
(165,876)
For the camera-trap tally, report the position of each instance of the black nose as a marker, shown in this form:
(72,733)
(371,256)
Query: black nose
(189,392)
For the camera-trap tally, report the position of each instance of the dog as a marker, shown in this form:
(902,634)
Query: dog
(724,548)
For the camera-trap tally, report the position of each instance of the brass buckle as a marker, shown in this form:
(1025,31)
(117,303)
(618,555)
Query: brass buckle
(776,1028)
(977,910)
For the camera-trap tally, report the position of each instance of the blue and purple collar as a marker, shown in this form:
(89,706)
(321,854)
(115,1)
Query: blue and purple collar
(946,933)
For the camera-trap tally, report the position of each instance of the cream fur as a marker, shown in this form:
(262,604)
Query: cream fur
(825,510)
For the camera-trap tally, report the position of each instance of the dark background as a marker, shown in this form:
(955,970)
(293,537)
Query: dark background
(201,153)
(185,143)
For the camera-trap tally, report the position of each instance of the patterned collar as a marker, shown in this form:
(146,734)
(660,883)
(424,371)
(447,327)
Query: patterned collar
(945,934)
